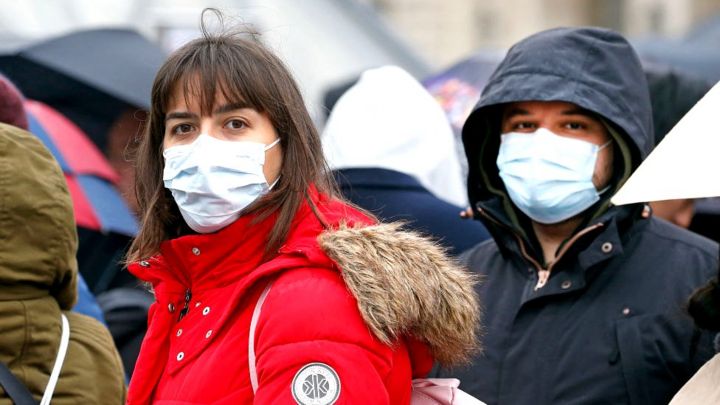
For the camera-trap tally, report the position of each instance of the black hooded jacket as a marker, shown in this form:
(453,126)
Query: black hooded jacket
(609,326)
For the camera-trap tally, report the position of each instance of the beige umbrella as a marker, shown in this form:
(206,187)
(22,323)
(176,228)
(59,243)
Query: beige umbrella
(686,163)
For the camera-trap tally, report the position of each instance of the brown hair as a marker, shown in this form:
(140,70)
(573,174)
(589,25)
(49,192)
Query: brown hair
(238,67)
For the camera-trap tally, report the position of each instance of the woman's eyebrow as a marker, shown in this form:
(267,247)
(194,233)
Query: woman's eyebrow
(230,107)
(180,115)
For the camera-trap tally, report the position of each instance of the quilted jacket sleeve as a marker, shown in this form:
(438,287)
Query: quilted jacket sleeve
(313,346)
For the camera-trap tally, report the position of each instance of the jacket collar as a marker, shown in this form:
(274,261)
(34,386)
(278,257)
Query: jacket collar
(609,228)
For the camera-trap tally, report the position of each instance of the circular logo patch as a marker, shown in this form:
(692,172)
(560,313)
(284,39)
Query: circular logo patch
(316,384)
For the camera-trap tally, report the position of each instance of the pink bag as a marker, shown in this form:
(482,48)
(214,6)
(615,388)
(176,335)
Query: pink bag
(440,391)
(425,391)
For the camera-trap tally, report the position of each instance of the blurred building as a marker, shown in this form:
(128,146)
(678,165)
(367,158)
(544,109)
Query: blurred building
(447,30)
(324,42)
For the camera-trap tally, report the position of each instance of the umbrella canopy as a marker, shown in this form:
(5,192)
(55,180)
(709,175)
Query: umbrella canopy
(458,88)
(685,164)
(98,206)
(89,76)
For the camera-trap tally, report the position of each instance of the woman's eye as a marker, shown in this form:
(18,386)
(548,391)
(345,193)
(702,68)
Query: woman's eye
(182,129)
(235,124)
(574,125)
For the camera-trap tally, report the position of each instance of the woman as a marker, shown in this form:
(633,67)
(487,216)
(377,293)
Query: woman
(234,195)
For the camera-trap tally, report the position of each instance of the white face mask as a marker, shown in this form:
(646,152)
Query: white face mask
(548,176)
(213,180)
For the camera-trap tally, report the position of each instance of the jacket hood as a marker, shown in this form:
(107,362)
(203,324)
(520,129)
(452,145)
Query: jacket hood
(406,285)
(596,69)
(388,120)
(672,94)
(37,224)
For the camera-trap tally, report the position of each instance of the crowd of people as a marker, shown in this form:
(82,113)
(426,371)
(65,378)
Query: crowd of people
(288,266)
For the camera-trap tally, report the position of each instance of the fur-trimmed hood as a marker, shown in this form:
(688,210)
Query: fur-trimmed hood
(405,284)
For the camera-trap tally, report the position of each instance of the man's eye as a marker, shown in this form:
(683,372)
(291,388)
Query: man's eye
(524,125)
(574,125)
(182,129)
(235,124)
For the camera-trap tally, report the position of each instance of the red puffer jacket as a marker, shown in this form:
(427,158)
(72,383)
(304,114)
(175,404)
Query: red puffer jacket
(324,336)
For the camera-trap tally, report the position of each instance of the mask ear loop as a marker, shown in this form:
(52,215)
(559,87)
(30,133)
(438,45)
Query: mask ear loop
(601,192)
(275,142)
(274,183)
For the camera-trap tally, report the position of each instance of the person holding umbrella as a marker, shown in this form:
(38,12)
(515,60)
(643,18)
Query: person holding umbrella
(583,299)
(269,288)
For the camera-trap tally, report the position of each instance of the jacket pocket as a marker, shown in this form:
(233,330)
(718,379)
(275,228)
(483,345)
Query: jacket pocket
(651,349)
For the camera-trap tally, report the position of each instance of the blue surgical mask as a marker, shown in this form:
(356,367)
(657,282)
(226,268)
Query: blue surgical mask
(548,177)
(213,180)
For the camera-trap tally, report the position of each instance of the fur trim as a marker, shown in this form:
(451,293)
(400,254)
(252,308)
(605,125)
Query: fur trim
(405,284)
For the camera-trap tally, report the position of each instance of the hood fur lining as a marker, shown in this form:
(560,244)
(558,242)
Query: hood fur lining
(406,285)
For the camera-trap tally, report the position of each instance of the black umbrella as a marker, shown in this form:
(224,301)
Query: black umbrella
(90,76)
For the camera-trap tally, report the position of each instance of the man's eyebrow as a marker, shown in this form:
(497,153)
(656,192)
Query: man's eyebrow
(579,111)
(230,107)
(515,111)
(180,115)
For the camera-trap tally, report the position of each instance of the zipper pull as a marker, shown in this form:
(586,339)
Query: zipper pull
(186,307)
(543,276)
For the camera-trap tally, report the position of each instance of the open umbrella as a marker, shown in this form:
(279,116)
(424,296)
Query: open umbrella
(89,76)
(685,164)
(98,206)
(458,87)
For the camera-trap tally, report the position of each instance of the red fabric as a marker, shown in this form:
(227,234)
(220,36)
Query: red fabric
(76,148)
(83,209)
(11,104)
(309,316)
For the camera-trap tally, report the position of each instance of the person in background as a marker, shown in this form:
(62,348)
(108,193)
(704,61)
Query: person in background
(243,239)
(38,284)
(583,301)
(703,388)
(392,150)
(672,94)
(12,112)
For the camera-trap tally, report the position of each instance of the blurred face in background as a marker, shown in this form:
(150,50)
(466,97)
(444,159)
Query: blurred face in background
(679,212)
(121,138)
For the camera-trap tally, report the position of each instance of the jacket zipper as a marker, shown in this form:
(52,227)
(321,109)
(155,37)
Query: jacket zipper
(543,273)
(186,307)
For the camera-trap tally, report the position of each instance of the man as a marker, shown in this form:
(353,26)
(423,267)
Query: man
(583,300)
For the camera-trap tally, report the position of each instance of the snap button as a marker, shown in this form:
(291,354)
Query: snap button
(208,334)
(196,251)
(606,247)
(171,307)
(145,263)
(646,211)
(180,356)
(626,311)
(206,310)
(179,332)
(566,284)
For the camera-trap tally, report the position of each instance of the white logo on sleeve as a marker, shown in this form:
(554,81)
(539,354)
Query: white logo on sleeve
(316,384)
